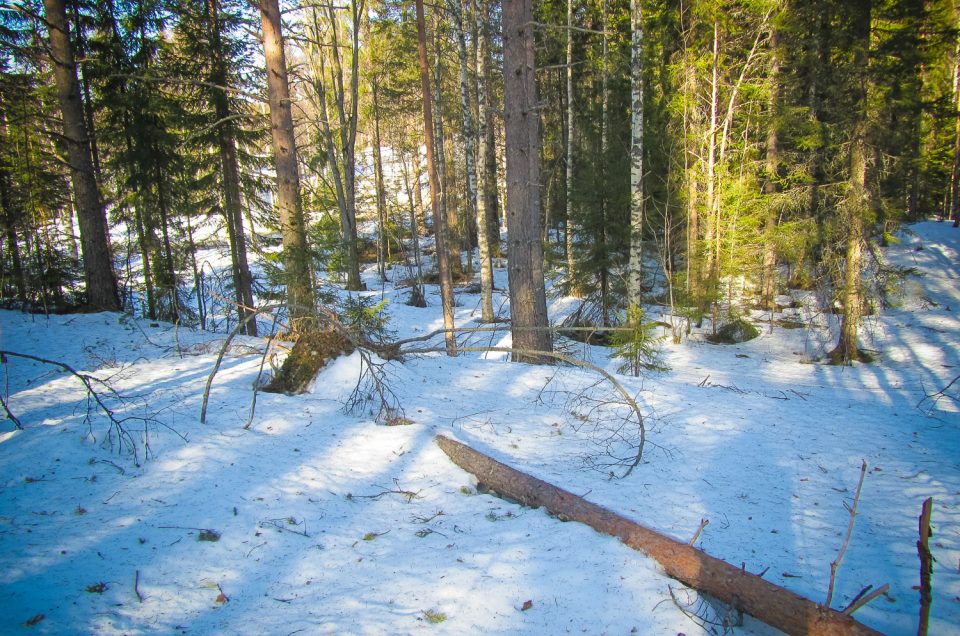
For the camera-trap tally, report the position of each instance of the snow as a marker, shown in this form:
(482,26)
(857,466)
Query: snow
(328,522)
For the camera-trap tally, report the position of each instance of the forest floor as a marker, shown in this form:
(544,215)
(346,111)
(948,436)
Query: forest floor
(316,520)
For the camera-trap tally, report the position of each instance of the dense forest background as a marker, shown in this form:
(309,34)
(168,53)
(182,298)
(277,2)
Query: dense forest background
(703,154)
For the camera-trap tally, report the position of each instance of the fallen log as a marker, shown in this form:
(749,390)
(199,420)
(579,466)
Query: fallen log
(774,605)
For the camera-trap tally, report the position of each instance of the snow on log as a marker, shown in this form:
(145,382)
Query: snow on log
(765,601)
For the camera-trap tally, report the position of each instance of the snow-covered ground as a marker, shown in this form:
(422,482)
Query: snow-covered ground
(319,521)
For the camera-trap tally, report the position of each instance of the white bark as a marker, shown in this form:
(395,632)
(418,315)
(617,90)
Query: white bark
(635,274)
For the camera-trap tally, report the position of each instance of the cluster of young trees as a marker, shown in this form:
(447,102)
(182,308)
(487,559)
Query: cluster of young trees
(706,152)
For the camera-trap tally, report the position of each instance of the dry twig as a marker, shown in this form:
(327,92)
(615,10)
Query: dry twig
(835,566)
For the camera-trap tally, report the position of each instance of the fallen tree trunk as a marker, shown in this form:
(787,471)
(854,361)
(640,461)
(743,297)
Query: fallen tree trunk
(765,601)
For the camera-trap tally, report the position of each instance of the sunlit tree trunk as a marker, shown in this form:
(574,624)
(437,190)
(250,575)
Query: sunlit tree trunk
(381,191)
(453,238)
(439,221)
(711,229)
(859,199)
(955,176)
(100,281)
(635,273)
(296,258)
(770,183)
(487,227)
(417,298)
(528,305)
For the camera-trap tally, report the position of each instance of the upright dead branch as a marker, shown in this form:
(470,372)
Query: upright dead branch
(835,566)
(926,567)
(747,592)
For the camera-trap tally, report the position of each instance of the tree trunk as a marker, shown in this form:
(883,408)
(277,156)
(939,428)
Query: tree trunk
(381,192)
(859,199)
(955,175)
(19,280)
(439,221)
(230,169)
(100,281)
(197,277)
(528,306)
(770,184)
(570,231)
(487,161)
(296,259)
(348,136)
(417,298)
(487,227)
(712,229)
(766,601)
(173,314)
(448,212)
(635,273)
(470,218)
(603,270)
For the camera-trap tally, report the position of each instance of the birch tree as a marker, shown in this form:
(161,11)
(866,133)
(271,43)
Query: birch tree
(635,273)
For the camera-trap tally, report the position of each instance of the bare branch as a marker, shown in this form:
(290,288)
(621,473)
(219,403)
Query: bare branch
(846,540)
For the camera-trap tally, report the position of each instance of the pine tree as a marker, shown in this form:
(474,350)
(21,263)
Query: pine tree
(97,257)
(525,252)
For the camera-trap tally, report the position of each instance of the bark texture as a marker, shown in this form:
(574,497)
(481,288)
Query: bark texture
(749,593)
(295,256)
(528,303)
(635,274)
(97,260)
(439,221)
(488,230)
(859,199)
(230,168)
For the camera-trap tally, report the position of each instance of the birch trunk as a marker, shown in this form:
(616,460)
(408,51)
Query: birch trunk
(382,229)
(635,274)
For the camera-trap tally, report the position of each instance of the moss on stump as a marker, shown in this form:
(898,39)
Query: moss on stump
(313,350)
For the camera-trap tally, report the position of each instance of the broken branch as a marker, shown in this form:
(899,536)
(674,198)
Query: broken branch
(835,566)
(926,566)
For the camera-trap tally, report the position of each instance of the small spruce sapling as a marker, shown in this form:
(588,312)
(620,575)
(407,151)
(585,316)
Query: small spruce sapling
(637,344)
